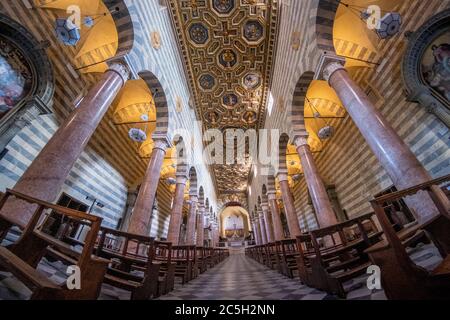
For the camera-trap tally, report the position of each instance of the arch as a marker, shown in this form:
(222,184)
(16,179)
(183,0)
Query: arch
(298,103)
(264,193)
(201,196)
(44,81)
(193,182)
(325,13)
(227,211)
(128,27)
(161,106)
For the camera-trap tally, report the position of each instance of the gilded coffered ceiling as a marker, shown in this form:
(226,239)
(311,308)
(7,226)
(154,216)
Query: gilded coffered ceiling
(228,48)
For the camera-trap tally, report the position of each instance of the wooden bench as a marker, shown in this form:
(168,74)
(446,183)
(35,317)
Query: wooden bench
(288,257)
(201,259)
(139,264)
(185,257)
(401,278)
(23,257)
(330,256)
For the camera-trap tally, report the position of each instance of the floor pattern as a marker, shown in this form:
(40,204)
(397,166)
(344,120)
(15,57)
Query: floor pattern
(237,278)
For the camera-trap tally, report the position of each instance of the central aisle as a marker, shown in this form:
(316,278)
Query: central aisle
(241,278)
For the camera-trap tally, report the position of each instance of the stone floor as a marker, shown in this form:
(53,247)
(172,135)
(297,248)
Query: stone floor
(237,278)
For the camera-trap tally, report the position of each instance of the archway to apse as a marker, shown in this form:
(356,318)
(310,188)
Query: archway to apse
(234,222)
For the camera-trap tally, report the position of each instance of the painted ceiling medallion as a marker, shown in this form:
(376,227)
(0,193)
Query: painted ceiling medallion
(253,31)
(252,81)
(223,6)
(207,82)
(249,117)
(230,100)
(212,117)
(199,33)
(227,58)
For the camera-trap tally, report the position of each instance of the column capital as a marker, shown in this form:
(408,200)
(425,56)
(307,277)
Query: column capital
(181,179)
(161,144)
(201,208)
(301,140)
(193,198)
(121,69)
(325,60)
(331,68)
(282,176)
(272,195)
(264,206)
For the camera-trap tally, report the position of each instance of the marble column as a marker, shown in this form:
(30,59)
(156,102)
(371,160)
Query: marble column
(200,226)
(258,230)
(268,222)
(177,211)
(288,200)
(317,190)
(262,226)
(394,155)
(276,216)
(45,177)
(140,222)
(255,231)
(190,228)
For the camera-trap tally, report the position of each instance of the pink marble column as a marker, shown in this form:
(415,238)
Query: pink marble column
(288,200)
(394,155)
(276,217)
(45,176)
(317,190)
(255,232)
(200,226)
(268,222)
(262,226)
(190,228)
(258,230)
(140,222)
(177,211)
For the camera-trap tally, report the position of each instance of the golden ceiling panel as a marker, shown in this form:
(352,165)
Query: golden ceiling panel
(228,49)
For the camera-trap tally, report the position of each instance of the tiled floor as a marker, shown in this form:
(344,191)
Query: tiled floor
(237,278)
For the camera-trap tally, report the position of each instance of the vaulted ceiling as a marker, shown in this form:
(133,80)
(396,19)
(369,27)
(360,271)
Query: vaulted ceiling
(228,49)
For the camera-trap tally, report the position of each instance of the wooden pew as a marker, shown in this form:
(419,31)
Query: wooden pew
(185,257)
(201,259)
(337,253)
(273,261)
(139,264)
(288,257)
(401,278)
(23,257)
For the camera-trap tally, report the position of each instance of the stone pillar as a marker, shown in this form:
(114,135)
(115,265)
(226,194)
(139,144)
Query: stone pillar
(200,226)
(190,228)
(177,211)
(258,230)
(45,176)
(262,226)
(288,200)
(317,190)
(140,222)
(268,222)
(276,216)
(255,231)
(394,155)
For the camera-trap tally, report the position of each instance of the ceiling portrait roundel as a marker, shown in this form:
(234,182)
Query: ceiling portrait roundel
(253,31)
(224,6)
(252,81)
(199,33)
(207,82)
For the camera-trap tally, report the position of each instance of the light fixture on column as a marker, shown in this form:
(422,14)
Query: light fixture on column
(327,130)
(137,135)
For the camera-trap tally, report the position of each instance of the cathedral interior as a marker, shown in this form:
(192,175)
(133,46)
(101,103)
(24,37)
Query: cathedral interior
(224,149)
